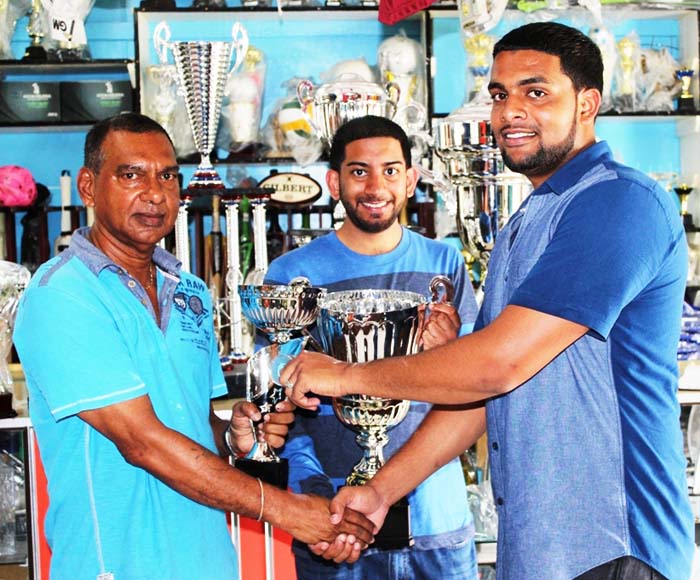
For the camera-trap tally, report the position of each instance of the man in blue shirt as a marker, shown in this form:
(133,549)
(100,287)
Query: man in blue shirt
(118,348)
(371,175)
(574,351)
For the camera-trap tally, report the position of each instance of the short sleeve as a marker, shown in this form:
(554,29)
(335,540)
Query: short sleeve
(74,353)
(606,248)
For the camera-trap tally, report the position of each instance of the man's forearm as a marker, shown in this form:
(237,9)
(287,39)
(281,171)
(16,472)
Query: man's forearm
(442,436)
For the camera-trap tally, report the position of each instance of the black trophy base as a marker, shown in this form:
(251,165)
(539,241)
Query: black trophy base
(273,472)
(688,224)
(35,54)
(685,105)
(6,410)
(396,531)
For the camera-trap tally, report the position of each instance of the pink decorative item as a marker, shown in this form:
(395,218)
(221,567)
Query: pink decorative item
(17,186)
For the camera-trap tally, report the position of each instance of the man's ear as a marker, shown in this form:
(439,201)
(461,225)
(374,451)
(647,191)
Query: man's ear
(86,186)
(589,105)
(333,183)
(411,181)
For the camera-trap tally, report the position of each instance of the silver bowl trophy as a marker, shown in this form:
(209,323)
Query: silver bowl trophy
(360,326)
(202,69)
(279,311)
(330,105)
(486,192)
(13,280)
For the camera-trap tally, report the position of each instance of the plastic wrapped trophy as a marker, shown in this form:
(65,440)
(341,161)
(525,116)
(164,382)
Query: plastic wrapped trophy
(35,52)
(13,280)
(486,192)
(332,104)
(64,26)
(362,326)
(202,68)
(161,82)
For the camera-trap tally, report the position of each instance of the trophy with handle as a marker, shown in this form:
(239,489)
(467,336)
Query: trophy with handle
(360,326)
(279,311)
(202,69)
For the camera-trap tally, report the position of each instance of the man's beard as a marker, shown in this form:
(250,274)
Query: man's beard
(370,227)
(544,160)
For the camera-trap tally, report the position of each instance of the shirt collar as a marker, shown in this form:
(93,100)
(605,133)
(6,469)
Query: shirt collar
(575,168)
(97,261)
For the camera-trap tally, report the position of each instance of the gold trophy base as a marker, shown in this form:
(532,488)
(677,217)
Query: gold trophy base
(273,472)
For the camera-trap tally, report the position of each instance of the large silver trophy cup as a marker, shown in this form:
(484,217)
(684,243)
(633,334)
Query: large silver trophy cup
(487,193)
(279,311)
(330,105)
(365,325)
(13,280)
(202,69)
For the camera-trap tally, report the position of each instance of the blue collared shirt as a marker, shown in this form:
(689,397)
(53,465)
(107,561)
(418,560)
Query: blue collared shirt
(587,456)
(88,338)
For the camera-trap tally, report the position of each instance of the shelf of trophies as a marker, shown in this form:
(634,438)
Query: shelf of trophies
(650,56)
(271,104)
(52,96)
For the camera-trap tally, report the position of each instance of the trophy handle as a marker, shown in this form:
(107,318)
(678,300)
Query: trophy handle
(239,35)
(161,41)
(442,286)
(304,90)
(394,91)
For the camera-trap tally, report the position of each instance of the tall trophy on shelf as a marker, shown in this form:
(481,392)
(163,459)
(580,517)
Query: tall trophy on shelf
(362,326)
(202,68)
(13,280)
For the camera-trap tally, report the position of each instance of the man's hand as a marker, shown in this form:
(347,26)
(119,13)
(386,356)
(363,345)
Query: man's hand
(313,373)
(308,518)
(273,429)
(440,326)
(364,499)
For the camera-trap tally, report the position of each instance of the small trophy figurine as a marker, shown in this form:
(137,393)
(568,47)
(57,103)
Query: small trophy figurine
(683,186)
(628,57)
(35,52)
(686,103)
(478,47)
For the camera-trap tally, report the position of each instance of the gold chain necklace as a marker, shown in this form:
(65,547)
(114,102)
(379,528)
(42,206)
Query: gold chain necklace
(151,277)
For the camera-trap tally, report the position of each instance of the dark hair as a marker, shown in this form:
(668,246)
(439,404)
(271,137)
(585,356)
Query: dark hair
(367,127)
(129,122)
(579,56)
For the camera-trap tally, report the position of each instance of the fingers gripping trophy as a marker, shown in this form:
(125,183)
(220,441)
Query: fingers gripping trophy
(362,326)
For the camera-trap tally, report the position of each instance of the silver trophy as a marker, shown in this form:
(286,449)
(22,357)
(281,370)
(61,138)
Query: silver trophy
(264,390)
(486,192)
(280,311)
(330,105)
(359,326)
(202,68)
(13,280)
